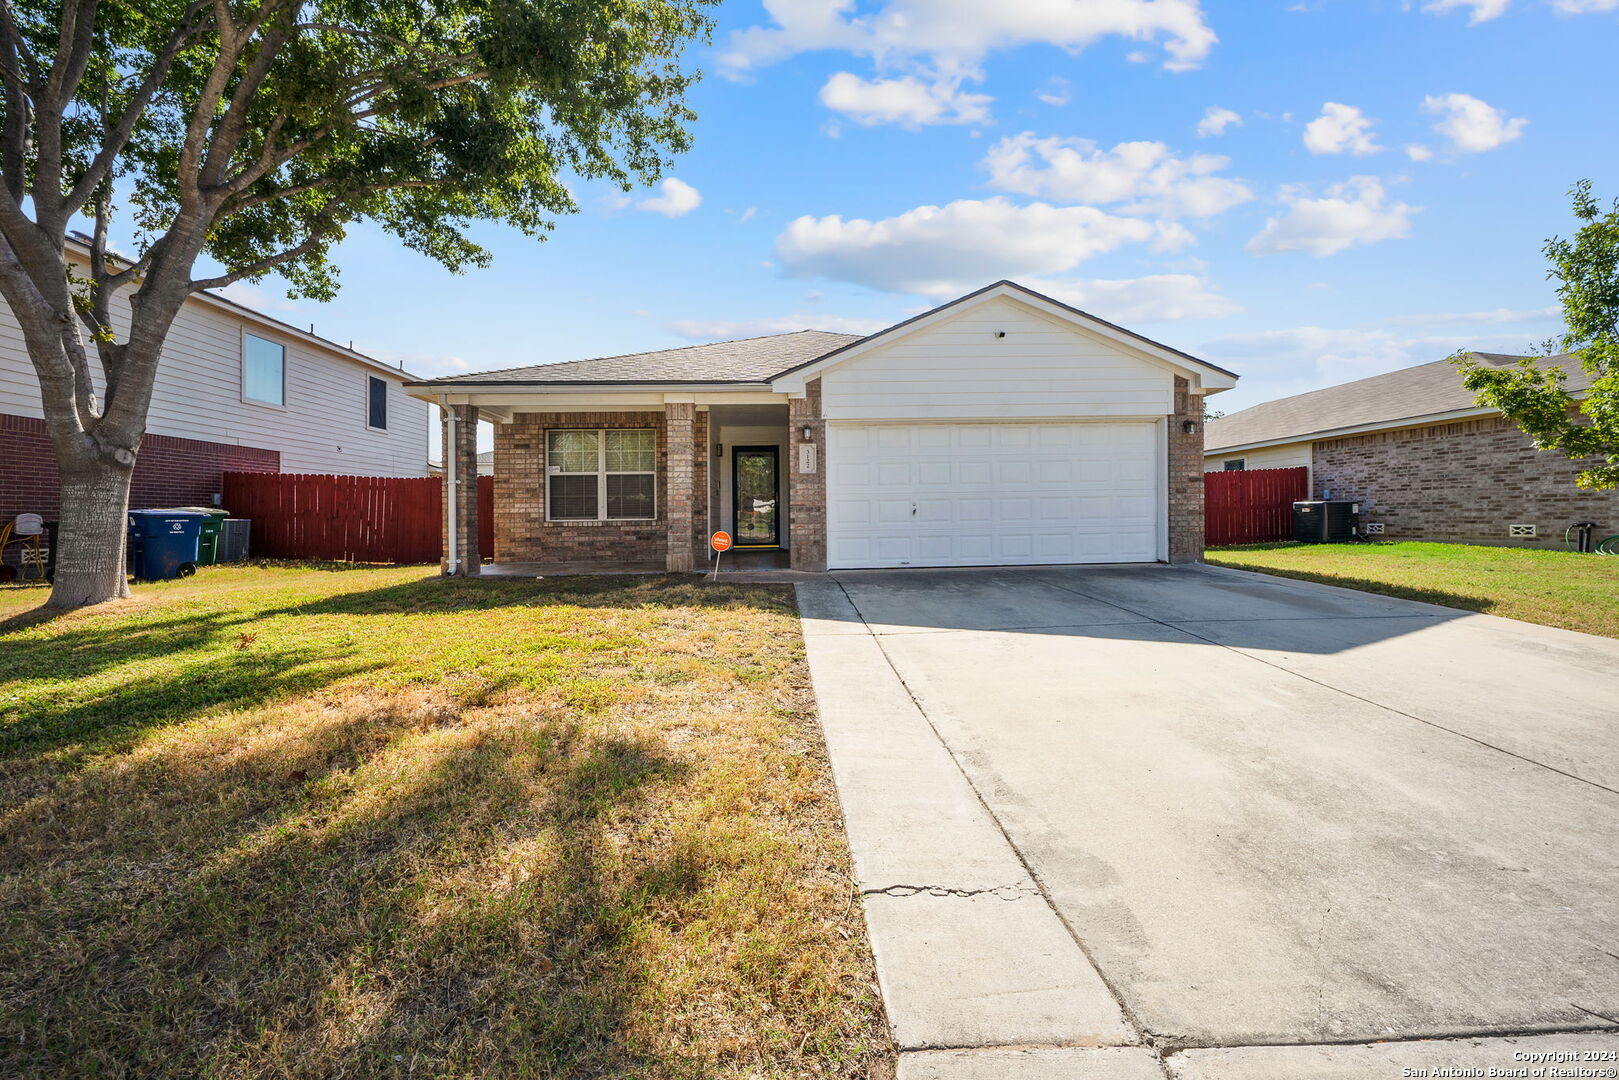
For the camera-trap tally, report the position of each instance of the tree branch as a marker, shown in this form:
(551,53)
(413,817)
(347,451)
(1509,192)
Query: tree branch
(117,137)
(74,46)
(265,265)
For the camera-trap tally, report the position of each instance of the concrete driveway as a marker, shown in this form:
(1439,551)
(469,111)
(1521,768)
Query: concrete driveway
(1213,821)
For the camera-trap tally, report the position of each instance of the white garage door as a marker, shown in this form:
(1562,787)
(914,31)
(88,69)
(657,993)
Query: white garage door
(992,494)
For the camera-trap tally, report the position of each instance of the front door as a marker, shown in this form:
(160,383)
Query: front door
(755,496)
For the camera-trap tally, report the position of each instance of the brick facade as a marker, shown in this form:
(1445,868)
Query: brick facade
(168,471)
(1465,481)
(680,474)
(1185,489)
(522,534)
(806,491)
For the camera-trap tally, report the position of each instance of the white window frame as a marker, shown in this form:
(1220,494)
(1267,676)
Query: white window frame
(282,345)
(601,476)
(385,388)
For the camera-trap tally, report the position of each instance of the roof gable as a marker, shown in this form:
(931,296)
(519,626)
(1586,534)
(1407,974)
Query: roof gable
(1204,376)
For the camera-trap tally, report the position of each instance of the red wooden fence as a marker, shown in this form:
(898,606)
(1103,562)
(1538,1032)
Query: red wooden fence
(349,518)
(1251,506)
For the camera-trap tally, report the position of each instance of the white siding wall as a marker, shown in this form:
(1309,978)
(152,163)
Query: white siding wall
(1289,456)
(959,369)
(198,395)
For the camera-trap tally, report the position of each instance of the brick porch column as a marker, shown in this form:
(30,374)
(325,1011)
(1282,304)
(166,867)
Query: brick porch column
(1186,477)
(680,491)
(806,480)
(460,443)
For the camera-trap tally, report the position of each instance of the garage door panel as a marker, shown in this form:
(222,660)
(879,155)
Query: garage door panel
(975,473)
(964,494)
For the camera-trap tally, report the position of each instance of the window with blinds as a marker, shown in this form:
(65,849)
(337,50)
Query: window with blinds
(608,474)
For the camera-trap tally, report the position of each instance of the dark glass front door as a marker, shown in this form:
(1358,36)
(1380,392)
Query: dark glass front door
(755,496)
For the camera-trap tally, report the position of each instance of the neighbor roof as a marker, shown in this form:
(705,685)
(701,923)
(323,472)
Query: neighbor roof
(1408,394)
(748,360)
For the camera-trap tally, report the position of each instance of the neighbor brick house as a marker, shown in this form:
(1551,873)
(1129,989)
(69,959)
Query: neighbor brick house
(1003,428)
(1421,456)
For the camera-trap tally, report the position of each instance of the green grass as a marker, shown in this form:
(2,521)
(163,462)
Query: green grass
(1555,588)
(291,822)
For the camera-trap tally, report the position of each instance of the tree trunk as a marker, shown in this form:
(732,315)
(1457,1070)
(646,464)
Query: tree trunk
(93,533)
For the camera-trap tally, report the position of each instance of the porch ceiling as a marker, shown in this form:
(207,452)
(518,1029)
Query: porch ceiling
(750,415)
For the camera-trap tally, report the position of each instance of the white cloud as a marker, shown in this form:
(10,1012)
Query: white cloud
(1470,124)
(956,34)
(908,101)
(1418,152)
(256,297)
(1340,129)
(1478,10)
(946,250)
(1278,363)
(1351,213)
(1147,176)
(1058,91)
(728,330)
(1154,298)
(1484,10)
(422,365)
(1497,316)
(676,198)
(1216,120)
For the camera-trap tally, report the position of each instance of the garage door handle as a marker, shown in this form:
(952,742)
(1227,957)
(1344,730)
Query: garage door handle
(913,509)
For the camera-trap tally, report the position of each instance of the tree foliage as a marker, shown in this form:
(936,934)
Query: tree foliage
(1534,396)
(256,131)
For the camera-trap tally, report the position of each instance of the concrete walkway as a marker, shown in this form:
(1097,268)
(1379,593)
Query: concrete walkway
(1189,822)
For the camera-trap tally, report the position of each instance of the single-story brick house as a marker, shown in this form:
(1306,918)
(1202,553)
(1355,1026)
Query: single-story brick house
(1421,456)
(1003,428)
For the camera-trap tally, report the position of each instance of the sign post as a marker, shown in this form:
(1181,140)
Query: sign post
(721,543)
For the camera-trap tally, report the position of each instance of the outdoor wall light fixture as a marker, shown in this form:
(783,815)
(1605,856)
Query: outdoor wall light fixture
(807,433)
(1189,426)
(719,450)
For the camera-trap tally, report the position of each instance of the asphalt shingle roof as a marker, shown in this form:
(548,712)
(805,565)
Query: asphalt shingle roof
(748,360)
(1398,395)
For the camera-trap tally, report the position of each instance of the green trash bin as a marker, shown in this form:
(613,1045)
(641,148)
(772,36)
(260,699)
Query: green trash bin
(208,542)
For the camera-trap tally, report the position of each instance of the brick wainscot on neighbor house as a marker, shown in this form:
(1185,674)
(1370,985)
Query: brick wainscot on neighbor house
(236,391)
(1003,428)
(1420,455)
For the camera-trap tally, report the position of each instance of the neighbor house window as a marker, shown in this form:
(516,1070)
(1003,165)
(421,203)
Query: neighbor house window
(603,475)
(376,403)
(264,370)
(1236,464)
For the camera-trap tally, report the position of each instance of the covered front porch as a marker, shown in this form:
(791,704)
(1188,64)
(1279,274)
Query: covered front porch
(615,483)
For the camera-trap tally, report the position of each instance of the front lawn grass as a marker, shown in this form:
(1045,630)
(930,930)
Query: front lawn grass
(1555,588)
(293,822)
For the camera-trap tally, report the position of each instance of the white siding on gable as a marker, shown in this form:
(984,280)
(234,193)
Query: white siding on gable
(1289,456)
(198,395)
(960,369)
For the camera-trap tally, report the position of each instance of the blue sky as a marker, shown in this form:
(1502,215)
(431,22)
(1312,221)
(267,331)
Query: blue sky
(1305,192)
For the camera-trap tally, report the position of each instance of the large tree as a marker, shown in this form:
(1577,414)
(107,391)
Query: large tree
(254,132)
(1532,394)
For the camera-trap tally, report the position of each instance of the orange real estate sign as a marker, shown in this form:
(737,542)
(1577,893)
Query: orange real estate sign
(720,541)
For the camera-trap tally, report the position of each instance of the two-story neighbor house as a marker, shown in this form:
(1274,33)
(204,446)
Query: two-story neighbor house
(236,391)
